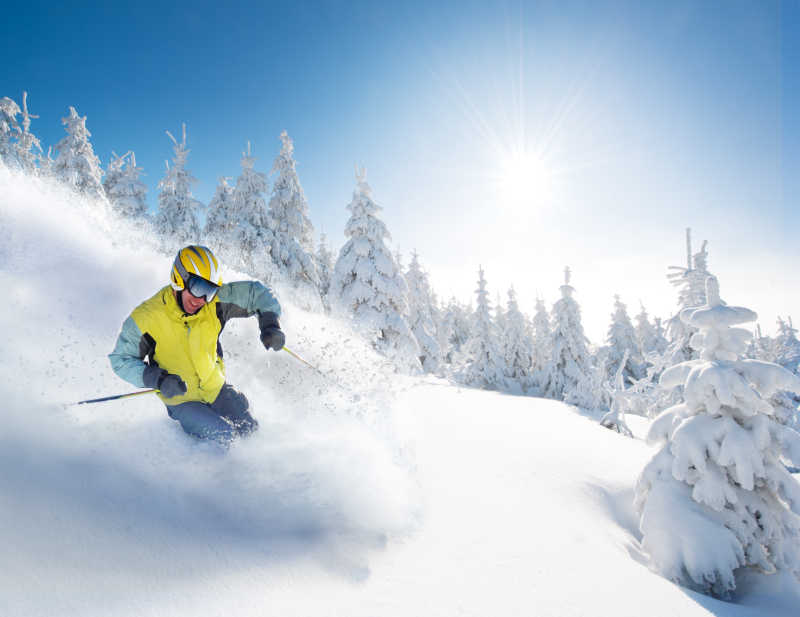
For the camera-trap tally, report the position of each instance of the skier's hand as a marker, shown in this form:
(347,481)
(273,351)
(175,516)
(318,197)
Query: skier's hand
(273,338)
(171,385)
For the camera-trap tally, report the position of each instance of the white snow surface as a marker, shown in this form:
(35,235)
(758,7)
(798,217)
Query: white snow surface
(381,496)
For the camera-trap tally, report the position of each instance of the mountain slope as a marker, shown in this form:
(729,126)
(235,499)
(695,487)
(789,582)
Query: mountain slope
(385,496)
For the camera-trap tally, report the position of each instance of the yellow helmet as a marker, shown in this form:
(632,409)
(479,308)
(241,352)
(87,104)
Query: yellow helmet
(196,261)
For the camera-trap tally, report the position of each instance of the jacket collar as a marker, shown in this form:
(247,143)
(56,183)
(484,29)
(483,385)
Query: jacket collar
(176,312)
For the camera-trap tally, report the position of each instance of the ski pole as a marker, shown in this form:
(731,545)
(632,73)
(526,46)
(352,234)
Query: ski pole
(323,375)
(114,398)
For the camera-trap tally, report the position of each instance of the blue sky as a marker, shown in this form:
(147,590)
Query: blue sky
(646,118)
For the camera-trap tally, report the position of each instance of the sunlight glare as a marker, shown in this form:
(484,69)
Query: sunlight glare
(524,181)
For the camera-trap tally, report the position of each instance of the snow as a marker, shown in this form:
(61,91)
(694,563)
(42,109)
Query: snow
(380,495)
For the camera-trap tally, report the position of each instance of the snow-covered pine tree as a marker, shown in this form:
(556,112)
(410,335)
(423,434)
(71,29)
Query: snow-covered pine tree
(650,338)
(176,221)
(454,331)
(542,341)
(691,292)
(324,259)
(484,358)
(76,163)
(27,142)
(570,360)
(292,233)
(220,222)
(126,192)
(717,497)
(9,132)
(46,164)
(787,347)
(621,337)
(367,284)
(251,236)
(517,347)
(422,315)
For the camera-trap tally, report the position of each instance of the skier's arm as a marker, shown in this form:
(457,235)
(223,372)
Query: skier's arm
(127,359)
(246,298)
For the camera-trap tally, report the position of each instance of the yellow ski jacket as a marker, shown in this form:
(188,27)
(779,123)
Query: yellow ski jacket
(188,345)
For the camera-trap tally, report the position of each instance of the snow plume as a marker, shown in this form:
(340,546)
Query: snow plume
(100,492)
(717,497)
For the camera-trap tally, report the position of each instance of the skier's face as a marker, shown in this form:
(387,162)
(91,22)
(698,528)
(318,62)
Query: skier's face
(190,303)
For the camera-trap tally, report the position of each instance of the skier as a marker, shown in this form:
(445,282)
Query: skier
(178,331)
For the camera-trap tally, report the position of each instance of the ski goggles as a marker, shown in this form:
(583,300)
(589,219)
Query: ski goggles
(201,288)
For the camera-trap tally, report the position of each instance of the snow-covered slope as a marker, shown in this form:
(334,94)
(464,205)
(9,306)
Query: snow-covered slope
(404,497)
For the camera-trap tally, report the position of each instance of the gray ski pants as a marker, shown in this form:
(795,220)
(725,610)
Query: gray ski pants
(227,417)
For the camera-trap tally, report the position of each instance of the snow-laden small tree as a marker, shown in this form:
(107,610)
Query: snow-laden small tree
(455,330)
(324,259)
(620,400)
(367,284)
(787,347)
(251,236)
(126,192)
(9,132)
(542,342)
(650,338)
(221,221)
(517,346)
(76,163)
(292,233)
(570,360)
(27,147)
(691,282)
(46,164)
(422,315)
(622,338)
(484,357)
(176,221)
(717,497)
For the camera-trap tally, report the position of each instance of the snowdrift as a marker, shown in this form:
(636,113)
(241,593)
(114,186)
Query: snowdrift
(389,496)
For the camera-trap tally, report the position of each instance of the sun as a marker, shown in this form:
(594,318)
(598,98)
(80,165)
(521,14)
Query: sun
(523,180)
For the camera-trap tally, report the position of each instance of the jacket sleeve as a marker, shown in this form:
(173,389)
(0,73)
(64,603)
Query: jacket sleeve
(127,359)
(244,299)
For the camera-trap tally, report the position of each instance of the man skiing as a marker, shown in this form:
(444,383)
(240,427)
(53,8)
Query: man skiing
(178,330)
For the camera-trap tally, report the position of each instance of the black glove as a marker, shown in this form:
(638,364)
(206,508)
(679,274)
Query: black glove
(158,378)
(171,385)
(273,338)
(271,334)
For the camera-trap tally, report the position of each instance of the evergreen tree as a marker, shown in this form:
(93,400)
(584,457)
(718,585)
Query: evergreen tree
(621,338)
(650,337)
(9,132)
(221,222)
(324,259)
(292,233)
(542,342)
(176,220)
(787,347)
(126,192)
(76,164)
(517,346)
(366,281)
(570,361)
(691,292)
(717,497)
(455,330)
(484,367)
(422,315)
(251,234)
(27,142)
